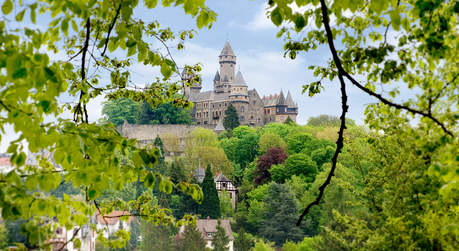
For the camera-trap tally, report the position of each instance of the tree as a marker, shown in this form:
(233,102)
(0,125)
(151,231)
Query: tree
(165,113)
(157,237)
(243,242)
(270,140)
(226,207)
(289,121)
(3,236)
(117,111)
(328,121)
(280,215)
(231,119)
(91,36)
(301,165)
(220,240)
(210,206)
(413,46)
(274,156)
(202,148)
(192,239)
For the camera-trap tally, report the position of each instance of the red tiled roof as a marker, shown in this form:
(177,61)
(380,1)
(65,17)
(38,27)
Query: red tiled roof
(113,217)
(5,161)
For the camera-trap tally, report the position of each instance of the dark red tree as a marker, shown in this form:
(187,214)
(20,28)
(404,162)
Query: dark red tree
(273,156)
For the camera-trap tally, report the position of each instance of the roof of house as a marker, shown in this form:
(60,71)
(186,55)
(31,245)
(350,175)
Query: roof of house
(113,217)
(5,161)
(210,226)
(221,178)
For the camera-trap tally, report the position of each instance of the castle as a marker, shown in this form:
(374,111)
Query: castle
(230,88)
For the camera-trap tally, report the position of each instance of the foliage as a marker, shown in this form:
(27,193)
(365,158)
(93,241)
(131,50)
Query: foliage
(191,240)
(403,177)
(307,244)
(226,207)
(274,156)
(220,240)
(242,147)
(328,121)
(91,36)
(260,245)
(165,113)
(385,47)
(301,165)
(117,111)
(243,241)
(280,215)
(202,148)
(210,204)
(158,237)
(3,236)
(270,140)
(231,119)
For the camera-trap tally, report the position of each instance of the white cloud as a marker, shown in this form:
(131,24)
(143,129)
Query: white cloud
(261,20)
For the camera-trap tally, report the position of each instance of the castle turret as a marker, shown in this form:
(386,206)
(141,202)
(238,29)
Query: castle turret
(227,61)
(238,91)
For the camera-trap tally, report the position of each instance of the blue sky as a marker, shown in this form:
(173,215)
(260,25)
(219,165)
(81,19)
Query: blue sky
(259,57)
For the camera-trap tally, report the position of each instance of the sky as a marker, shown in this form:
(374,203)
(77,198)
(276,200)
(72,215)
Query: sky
(259,57)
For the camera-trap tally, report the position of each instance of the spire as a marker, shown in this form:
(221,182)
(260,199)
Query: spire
(227,50)
(289,100)
(281,99)
(217,76)
(239,80)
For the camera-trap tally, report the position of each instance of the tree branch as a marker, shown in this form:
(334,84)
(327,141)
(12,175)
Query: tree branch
(112,24)
(75,233)
(398,106)
(344,108)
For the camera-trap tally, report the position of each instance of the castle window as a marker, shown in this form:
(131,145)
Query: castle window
(254,102)
(242,108)
(205,122)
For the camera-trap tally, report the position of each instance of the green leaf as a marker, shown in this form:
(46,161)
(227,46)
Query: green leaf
(20,73)
(92,194)
(202,19)
(150,3)
(65,26)
(276,17)
(166,70)
(20,159)
(300,22)
(45,105)
(395,19)
(20,16)
(149,180)
(7,7)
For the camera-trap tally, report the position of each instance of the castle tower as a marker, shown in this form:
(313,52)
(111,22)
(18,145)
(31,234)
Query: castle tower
(227,61)
(239,97)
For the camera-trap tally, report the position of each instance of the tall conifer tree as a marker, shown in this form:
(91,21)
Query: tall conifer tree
(221,240)
(210,206)
(231,120)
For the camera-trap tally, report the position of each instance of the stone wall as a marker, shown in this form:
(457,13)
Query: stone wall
(173,136)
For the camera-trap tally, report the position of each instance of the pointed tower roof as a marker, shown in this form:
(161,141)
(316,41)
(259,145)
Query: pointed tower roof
(227,50)
(217,76)
(289,101)
(281,99)
(239,80)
